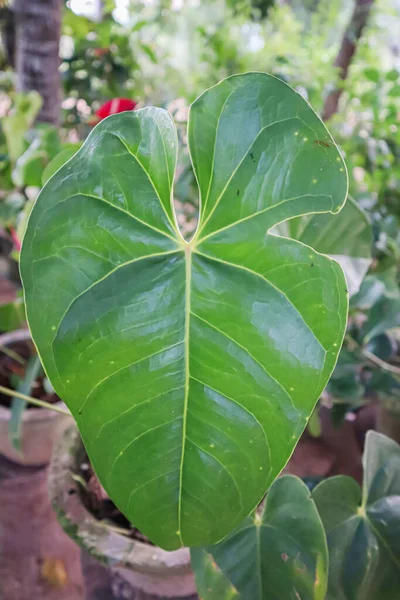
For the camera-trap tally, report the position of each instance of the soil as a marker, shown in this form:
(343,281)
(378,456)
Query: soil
(95,499)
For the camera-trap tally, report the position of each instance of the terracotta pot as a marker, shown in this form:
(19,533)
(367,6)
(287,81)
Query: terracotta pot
(40,427)
(142,566)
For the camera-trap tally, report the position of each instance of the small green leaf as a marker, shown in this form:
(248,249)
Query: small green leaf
(372,74)
(191,368)
(395,91)
(278,555)
(374,287)
(59,160)
(12,314)
(363,528)
(314,423)
(383,316)
(18,121)
(43,146)
(393,75)
(10,208)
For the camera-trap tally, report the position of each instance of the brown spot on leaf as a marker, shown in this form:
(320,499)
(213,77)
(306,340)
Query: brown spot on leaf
(284,556)
(321,143)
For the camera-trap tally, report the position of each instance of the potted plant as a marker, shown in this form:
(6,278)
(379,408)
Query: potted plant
(191,368)
(283,550)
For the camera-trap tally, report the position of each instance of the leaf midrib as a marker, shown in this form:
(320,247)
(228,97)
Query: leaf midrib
(188,288)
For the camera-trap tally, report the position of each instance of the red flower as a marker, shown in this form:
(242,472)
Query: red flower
(116,105)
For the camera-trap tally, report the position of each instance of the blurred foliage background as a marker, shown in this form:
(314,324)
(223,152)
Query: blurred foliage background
(336,53)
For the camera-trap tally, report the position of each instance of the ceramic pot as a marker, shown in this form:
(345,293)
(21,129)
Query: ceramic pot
(142,566)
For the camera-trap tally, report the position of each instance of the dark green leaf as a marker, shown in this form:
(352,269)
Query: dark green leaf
(10,208)
(383,316)
(363,528)
(12,315)
(191,368)
(374,287)
(382,346)
(279,555)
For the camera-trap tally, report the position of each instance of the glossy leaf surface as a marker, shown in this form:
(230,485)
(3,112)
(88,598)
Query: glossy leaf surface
(346,237)
(191,368)
(279,555)
(363,527)
(59,160)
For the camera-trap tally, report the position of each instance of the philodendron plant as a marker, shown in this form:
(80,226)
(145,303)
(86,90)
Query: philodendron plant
(191,367)
(282,552)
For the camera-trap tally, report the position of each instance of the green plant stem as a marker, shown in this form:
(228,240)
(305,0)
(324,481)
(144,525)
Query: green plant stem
(12,354)
(34,401)
(385,366)
(381,363)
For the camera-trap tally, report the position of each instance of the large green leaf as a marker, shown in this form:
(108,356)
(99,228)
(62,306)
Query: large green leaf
(363,528)
(191,368)
(346,237)
(278,555)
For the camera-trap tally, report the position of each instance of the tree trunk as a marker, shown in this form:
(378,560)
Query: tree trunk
(348,47)
(38,28)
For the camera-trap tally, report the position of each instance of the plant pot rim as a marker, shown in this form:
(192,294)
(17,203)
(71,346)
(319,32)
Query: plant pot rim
(104,544)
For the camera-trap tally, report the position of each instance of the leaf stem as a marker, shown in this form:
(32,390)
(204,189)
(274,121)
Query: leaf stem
(381,363)
(353,345)
(12,354)
(34,401)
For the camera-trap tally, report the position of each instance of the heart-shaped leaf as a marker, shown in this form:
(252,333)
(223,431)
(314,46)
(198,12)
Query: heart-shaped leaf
(363,528)
(191,368)
(280,554)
